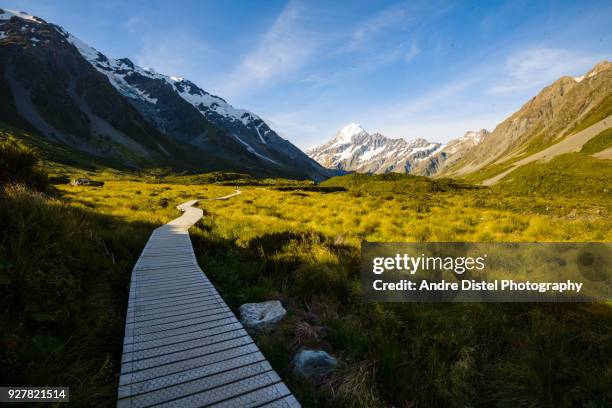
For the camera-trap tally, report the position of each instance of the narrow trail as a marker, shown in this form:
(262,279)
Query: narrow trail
(183,346)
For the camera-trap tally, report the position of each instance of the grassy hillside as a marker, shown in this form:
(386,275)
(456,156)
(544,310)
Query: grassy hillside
(186,159)
(568,174)
(601,112)
(19,164)
(570,165)
(600,142)
(64,274)
(559,111)
(395,183)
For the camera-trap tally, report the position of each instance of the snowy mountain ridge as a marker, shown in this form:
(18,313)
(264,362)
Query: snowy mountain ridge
(354,149)
(116,70)
(94,92)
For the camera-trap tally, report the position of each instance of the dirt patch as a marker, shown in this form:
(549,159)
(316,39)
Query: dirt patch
(604,154)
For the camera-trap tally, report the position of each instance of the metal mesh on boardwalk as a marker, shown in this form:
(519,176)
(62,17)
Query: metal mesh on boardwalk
(183,346)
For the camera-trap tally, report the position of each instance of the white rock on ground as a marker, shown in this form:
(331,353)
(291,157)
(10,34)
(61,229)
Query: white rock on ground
(309,363)
(87,182)
(258,315)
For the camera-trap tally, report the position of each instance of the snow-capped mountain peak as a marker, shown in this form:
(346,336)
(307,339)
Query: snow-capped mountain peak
(346,134)
(355,149)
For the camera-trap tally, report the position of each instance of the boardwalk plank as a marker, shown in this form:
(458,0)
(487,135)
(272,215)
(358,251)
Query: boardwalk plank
(183,346)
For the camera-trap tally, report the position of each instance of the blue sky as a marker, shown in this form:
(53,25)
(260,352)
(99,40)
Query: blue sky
(431,69)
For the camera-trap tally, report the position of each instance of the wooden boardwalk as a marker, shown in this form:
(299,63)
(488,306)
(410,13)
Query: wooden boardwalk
(183,346)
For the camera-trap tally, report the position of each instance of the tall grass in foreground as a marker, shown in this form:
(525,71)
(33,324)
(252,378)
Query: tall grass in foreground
(303,248)
(64,275)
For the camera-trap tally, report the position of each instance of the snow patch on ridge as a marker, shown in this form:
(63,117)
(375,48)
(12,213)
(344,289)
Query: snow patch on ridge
(8,14)
(347,153)
(371,153)
(259,134)
(312,148)
(198,98)
(253,151)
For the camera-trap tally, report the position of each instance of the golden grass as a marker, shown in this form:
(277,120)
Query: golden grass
(302,247)
(440,217)
(138,201)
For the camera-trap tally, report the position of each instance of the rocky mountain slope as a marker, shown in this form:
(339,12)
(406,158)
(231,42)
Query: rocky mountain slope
(61,89)
(570,108)
(450,153)
(564,109)
(357,150)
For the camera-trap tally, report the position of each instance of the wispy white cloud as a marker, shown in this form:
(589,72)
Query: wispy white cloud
(432,115)
(431,99)
(441,127)
(297,126)
(177,53)
(294,48)
(133,24)
(386,20)
(316,80)
(283,49)
(389,35)
(538,66)
(413,52)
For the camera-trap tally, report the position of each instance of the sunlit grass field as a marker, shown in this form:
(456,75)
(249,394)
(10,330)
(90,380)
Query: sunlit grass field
(66,255)
(302,247)
(132,201)
(474,216)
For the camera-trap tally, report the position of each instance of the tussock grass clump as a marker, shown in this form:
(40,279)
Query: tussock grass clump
(19,164)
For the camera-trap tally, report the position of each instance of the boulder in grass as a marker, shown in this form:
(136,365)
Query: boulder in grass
(83,181)
(259,315)
(313,363)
